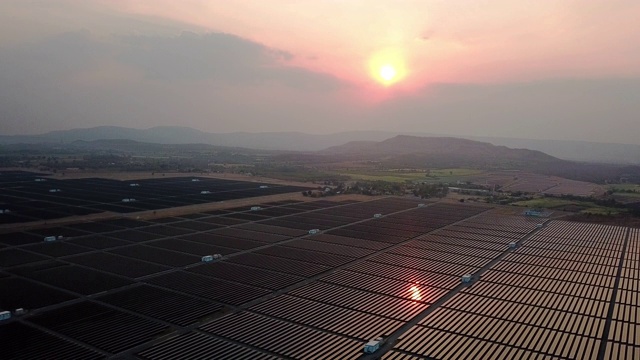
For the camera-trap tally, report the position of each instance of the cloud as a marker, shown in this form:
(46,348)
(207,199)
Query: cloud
(222,83)
(220,57)
(82,79)
(186,57)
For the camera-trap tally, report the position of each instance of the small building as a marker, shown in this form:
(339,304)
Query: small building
(537,213)
(373,345)
(5,315)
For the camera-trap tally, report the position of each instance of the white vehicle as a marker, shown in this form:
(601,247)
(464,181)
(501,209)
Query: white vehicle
(255,208)
(466,278)
(377,216)
(314,231)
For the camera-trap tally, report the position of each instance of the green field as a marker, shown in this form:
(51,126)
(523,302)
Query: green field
(439,175)
(601,210)
(587,207)
(633,187)
(455,172)
(384,176)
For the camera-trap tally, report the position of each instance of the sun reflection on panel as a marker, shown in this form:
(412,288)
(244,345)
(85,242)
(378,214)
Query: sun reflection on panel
(415,293)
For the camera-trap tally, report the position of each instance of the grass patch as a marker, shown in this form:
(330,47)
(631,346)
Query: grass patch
(623,187)
(548,203)
(437,175)
(385,176)
(601,210)
(455,172)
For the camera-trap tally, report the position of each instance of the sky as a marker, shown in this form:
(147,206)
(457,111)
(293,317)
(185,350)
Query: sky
(565,70)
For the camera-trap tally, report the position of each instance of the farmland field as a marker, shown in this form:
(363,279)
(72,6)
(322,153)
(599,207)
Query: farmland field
(437,175)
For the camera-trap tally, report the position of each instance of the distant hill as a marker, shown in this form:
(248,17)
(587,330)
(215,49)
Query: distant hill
(401,151)
(123,146)
(132,146)
(414,151)
(443,152)
(296,141)
(290,141)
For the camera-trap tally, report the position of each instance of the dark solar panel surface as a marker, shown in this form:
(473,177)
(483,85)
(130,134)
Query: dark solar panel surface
(130,288)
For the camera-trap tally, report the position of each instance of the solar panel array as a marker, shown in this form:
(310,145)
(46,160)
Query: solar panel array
(550,298)
(131,288)
(30,197)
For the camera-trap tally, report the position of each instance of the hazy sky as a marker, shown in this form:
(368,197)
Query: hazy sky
(530,69)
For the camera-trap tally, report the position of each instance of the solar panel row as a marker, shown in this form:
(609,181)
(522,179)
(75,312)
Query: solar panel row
(278,292)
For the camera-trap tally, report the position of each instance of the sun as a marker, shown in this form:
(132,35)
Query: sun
(387,67)
(387,73)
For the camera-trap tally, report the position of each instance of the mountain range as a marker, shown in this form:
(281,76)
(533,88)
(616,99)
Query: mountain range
(296,141)
(405,151)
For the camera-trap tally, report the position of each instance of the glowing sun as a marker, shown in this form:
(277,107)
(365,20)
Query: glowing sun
(387,67)
(387,72)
